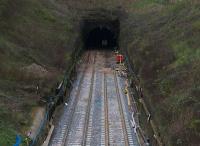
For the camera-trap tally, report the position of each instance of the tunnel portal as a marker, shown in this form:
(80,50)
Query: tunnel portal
(100,34)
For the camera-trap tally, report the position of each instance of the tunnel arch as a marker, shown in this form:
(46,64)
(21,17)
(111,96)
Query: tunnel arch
(100,33)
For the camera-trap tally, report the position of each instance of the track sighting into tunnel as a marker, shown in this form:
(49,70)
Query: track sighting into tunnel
(97,112)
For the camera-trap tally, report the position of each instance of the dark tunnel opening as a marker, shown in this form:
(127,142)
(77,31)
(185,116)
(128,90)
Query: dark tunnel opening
(101,37)
(100,34)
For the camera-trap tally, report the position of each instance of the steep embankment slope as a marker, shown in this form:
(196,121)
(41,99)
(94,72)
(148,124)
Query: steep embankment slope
(163,42)
(35,46)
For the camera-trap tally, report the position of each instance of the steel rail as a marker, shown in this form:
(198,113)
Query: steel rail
(85,130)
(106,112)
(121,111)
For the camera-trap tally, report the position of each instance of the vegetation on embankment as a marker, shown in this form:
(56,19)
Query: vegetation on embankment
(37,38)
(36,41)
(163,41)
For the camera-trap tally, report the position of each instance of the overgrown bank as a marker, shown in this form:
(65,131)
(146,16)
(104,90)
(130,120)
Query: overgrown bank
(163,42)
(37,38)
(36,43)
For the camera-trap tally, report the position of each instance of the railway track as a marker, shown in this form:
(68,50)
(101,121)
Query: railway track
(97,110)
(124,128)
(83,143)
(61,131)
(77,134)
